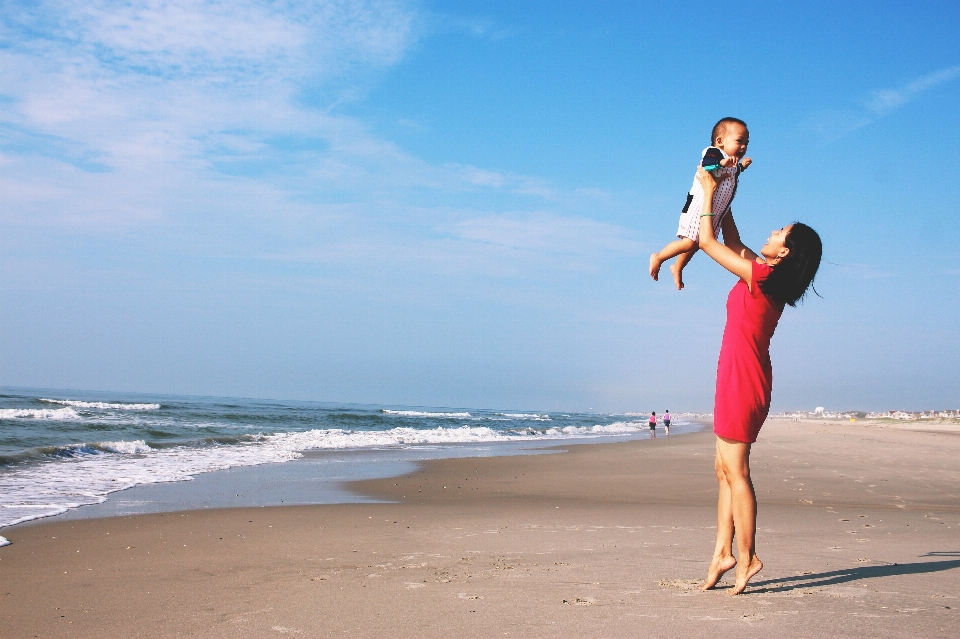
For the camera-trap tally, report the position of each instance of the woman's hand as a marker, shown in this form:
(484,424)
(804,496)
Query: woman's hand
(708,180)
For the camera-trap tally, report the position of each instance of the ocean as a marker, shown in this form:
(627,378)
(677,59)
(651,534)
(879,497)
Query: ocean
(62,450)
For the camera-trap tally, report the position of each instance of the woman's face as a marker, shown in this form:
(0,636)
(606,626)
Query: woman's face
(774,247)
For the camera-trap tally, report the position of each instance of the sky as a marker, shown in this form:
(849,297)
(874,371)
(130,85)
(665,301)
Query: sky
(453,204)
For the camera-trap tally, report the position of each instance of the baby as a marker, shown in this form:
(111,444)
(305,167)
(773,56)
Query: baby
(724,158)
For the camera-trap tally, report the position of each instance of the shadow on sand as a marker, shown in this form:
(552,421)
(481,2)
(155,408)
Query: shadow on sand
(818,580)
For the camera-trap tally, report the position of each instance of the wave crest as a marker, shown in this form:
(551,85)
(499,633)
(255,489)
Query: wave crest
(417,413)
(137,447)
(102,405)
(38,413)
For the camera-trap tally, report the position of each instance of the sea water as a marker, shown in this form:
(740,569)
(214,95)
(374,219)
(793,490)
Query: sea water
(60,450)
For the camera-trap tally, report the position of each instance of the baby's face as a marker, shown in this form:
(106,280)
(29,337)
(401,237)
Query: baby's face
(734,140)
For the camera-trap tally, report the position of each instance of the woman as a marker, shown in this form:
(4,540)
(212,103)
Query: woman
(781,275)
(652,422)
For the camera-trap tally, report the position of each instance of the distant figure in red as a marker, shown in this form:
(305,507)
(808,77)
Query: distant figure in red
(779,276)
(653,424)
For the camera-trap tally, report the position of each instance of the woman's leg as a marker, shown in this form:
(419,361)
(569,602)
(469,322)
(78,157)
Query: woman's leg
(723,559)
(735,464)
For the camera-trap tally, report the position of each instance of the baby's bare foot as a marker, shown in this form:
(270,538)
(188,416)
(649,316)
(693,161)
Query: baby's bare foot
(677,276)
(655,267)
(745,575)
(718,566)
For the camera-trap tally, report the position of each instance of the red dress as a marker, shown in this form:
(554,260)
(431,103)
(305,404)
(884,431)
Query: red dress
(744,374)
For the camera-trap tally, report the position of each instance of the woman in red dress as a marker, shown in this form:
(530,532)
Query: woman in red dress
(779,276)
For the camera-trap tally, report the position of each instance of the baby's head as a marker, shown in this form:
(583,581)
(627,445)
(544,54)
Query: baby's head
(731,136)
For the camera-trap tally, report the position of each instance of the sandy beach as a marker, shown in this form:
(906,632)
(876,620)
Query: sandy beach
(859,531)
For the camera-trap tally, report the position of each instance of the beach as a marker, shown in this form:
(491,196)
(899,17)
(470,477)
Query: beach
(858,528)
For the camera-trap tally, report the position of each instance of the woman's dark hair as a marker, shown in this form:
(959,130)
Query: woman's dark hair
(789,281)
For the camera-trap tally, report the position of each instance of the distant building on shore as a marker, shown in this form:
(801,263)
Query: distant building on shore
(821,413)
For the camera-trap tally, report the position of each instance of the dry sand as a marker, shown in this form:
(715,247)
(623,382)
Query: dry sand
(859,530)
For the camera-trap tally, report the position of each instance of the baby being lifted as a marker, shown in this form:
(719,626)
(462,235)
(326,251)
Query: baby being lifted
(725,158)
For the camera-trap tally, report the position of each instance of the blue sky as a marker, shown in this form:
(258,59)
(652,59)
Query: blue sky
(453,203)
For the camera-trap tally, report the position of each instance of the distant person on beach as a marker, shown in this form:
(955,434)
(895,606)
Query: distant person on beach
(653,424)
(725,160)
(780,276)
(666,421)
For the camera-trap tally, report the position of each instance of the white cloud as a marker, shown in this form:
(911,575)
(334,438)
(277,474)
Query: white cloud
(198,90)
(186,118)
(182,90)
(886,101)
(547,233)
(526,246)
(831,125)
(188,36)
(521,246)
(219,40)
(198,65)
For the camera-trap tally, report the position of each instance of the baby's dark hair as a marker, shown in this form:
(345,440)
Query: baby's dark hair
(790,279)
(720,127)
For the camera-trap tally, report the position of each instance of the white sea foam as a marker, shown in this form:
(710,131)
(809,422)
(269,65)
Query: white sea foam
(4,542)
(616,428)
(102,405)
(38,413)
(533,416)
(416,413)
(138,447)
(48,488)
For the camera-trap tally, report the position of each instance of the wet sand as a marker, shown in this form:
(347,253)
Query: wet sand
(859,531)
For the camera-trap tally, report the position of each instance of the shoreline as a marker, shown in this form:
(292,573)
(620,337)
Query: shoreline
(317,477)
(65,449)
(857,529)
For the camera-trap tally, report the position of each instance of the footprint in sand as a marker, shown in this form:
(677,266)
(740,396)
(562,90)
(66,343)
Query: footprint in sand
(692,585)
(682,584)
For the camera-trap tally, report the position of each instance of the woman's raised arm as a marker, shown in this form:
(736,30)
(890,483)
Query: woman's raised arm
(731,238)
(725,256)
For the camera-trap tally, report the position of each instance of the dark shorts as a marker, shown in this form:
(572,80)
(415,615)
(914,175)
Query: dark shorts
(653,426)
(666,423)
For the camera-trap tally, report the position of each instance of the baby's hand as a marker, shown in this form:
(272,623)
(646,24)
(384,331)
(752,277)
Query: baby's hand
(745,162)
(728,161)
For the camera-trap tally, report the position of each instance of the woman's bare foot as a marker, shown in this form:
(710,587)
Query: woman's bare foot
(655,266)
(718,566)
(677,276)
(744,575)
